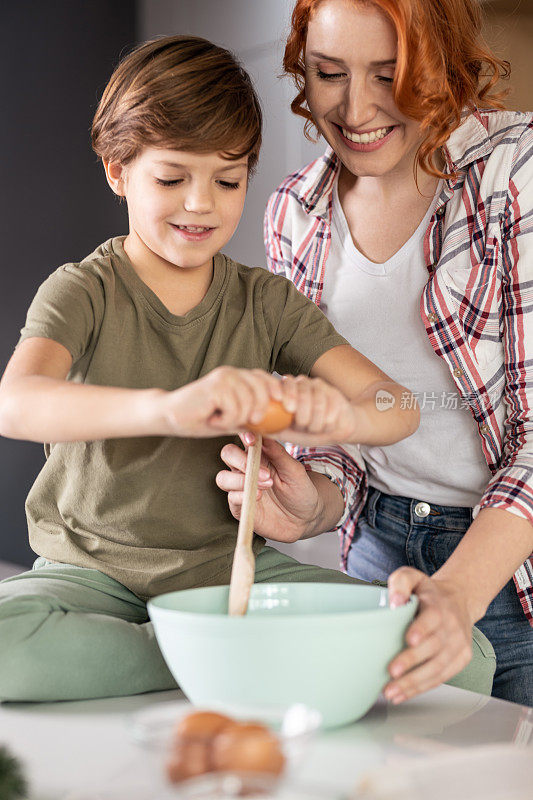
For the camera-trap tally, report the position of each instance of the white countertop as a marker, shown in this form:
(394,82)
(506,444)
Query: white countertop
(75,750)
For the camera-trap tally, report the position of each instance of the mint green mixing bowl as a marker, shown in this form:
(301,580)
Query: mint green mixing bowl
(326,645)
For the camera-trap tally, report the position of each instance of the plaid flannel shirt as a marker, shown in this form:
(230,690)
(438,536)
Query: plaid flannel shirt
(477,305)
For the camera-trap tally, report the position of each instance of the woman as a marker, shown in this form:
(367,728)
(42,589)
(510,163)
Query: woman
(414,233)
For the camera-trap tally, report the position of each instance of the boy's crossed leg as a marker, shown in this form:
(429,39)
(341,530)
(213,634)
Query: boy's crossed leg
(70,633)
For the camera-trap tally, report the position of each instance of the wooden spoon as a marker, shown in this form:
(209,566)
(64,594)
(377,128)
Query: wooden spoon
(243,571)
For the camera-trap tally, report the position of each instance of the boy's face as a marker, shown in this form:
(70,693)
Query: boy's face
(182,206)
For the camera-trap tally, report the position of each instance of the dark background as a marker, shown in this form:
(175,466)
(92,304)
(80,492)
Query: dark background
(55,206)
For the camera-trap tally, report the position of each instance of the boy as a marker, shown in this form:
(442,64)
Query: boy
(139,364)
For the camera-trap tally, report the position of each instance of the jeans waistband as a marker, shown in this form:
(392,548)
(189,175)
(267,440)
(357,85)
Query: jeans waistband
(417,511)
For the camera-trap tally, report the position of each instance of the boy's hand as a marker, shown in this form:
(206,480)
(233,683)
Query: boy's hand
(223,402)
(322,414)
(288,502)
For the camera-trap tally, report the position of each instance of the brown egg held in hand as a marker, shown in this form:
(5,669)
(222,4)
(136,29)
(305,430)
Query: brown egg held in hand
(276,419)
(247,748)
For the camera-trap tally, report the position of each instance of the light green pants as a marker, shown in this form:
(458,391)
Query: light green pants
(70,633)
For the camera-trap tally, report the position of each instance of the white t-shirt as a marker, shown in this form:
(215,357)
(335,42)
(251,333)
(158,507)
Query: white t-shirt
(442,462)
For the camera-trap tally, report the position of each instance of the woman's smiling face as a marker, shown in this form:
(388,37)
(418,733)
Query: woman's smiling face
(350,57)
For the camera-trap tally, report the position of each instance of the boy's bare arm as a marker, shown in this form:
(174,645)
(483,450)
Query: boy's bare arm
(385,416)
(347,400)
(37,403)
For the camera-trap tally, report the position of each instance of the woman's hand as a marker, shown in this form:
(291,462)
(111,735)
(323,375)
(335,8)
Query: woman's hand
(223,402)
(288,504)
(439,640)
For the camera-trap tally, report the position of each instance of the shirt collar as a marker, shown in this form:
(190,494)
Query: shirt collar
(317,186)
(465,144)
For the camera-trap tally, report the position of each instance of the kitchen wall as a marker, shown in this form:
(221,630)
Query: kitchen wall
(508,29)
(55,206)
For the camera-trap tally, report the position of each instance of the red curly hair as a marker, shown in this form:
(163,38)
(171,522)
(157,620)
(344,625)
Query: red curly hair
(443,65)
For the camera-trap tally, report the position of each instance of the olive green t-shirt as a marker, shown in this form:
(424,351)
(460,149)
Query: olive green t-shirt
(146,510)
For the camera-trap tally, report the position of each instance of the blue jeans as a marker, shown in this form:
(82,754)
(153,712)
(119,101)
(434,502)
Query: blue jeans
(391,534)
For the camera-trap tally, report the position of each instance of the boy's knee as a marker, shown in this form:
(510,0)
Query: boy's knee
(20,618)
(478,675)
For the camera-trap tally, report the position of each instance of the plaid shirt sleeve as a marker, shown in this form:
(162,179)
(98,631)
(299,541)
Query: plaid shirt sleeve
(343,469)
(511,486)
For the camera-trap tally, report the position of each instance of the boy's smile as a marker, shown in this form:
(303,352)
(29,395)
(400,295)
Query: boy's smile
(193,233)
(183,207)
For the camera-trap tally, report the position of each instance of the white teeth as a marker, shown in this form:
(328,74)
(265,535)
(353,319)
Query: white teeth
(365,138)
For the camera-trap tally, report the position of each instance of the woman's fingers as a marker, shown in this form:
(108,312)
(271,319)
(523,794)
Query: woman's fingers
(442,638)
(236,499)
(439,639)
(282,465)
(414,656)
(274,457)
(430,620)
(236,459)
(234,481)
(423,661)
(435,670)
(275,463)
(402,583)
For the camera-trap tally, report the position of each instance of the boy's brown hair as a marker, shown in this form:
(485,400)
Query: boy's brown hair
(181,92)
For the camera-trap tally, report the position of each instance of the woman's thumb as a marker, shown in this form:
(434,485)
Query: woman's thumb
(402,583)
(283,463)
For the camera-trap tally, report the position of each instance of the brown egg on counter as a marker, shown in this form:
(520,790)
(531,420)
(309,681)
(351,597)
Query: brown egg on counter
(192,743)
(276,419)
(248,748)
(201,725)
(188,760)
(206,741)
